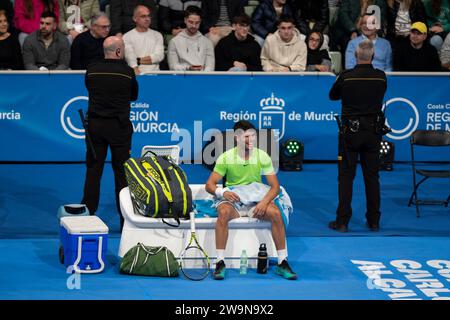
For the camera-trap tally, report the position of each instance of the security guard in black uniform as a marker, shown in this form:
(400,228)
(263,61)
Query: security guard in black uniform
(112,85)
(362,92)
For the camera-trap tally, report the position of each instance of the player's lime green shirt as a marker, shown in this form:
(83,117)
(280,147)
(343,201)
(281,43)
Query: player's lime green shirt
(242,172)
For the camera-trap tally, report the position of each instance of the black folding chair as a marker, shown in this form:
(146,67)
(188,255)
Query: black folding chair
(427,138)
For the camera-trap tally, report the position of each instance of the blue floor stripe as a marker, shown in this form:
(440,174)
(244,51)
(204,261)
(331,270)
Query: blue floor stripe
(29,269)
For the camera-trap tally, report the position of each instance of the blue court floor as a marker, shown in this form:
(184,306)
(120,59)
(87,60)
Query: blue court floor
(328,268)
(407,259)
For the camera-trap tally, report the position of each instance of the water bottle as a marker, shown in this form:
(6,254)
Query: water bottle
(244,262)
(262,259)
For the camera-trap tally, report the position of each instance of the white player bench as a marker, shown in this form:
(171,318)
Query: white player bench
(244,233)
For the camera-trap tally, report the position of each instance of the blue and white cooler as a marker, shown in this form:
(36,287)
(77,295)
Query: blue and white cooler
(84,240)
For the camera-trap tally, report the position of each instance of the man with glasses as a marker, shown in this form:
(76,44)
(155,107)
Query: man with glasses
(238,51)
(121,13)
(111,84)
(88,46)
(144,48)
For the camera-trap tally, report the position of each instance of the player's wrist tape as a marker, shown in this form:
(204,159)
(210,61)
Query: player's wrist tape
(219,192)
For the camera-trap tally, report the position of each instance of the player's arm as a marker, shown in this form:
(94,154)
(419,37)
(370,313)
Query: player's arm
(261,207)
(211,187)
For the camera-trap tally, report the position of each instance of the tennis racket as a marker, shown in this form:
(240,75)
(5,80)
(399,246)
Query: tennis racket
(194,261)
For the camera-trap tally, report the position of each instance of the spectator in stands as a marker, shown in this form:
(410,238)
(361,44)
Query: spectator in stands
(349,19)
(284,50)
(10,52)
(217,16)
(121,14)
(333,6)
(75,16)
(445,53)
(312,15)
(438,20)
(383,53)
(7,7)
(190,50)
(27,15)
(47,48)
(238,51)
(318,59)
(144,47)
(171,15)
(88,46)
(266,15)
(400,15)
(417,55)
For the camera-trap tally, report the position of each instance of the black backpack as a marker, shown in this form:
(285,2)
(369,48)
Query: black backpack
(158,187)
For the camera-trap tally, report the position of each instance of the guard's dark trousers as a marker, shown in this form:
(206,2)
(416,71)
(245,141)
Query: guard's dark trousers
(106,132)
(366,144)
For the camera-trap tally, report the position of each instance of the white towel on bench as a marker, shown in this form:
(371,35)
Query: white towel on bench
(253,193)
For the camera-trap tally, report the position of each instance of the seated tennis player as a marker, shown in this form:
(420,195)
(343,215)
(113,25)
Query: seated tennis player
(244,165)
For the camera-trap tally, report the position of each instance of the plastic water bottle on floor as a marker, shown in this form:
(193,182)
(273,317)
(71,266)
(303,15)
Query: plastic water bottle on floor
(244,262)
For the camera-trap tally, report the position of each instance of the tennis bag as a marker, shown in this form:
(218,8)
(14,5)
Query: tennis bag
(158,187)
(144,260)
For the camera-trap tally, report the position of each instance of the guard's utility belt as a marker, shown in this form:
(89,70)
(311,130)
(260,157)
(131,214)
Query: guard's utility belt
(360,123)
(374,123)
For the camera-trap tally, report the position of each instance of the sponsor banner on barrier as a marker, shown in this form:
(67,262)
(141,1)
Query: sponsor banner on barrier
(39,118)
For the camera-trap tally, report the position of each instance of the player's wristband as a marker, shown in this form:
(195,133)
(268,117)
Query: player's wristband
(219,192)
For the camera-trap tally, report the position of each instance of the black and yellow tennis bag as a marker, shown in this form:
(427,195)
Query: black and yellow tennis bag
(158,187)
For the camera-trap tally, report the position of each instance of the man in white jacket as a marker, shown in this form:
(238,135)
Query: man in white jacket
(285,50)
(190,50)
(144,48)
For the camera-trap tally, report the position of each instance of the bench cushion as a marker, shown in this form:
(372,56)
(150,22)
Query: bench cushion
(198,192)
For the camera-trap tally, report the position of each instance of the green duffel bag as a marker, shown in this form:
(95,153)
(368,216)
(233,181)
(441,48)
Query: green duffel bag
(144,260)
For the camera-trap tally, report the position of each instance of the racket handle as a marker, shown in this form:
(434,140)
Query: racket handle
(192,218)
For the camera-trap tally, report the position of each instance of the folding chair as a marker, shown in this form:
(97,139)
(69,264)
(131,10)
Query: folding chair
(173,151)
(427,138)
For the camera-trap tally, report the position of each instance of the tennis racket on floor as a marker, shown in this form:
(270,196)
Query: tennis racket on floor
(194,261)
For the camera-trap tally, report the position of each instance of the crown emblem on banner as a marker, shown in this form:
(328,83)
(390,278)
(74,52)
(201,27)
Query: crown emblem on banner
(272,103)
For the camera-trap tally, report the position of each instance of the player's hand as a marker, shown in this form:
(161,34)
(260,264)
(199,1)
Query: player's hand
(260,209)
(231,196)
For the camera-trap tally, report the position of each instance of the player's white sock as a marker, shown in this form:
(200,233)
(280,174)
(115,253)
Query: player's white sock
(220,255)
(282,255)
